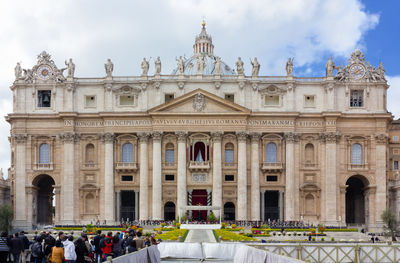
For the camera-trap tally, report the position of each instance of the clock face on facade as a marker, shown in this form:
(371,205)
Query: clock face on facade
(44,72)
(357,71)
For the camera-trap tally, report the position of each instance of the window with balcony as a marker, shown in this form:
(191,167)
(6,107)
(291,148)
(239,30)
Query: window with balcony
(127,153)
(169,154)
(356,98)
(44,153)
(229,154)
(271,154)
(356,154)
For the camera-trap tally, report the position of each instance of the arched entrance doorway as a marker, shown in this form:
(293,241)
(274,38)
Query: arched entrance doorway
(229,211)
(44,199)
(355,200)
(169,211)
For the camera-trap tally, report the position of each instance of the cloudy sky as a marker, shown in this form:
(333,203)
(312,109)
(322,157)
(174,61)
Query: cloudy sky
(91,31)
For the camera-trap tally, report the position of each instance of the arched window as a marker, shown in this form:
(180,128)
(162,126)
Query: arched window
(356,153)
(310,204)
(44,153)
(169,153)
(127,153)
(229,153)
(89,153)
(309,153)
(271,155)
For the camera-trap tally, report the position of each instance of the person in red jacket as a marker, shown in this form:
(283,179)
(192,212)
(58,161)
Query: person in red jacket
(106,246)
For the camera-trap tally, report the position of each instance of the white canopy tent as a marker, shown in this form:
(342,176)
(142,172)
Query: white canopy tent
(185,208)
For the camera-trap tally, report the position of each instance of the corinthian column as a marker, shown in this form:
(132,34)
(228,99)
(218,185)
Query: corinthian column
(181,193)
(157,183)
(380,175)
(68,139)
(144,178)
(20,177)
(109,204)
(331,215)
(290,138)
(217,172)
(242,177)
(255,177)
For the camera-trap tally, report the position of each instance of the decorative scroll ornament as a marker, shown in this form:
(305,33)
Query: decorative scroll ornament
(69,137)
(330,137)
(143,137)
(292,137)
(381,138)
(255,137)
(20,138)
(181,136)
(199,102)
(217,136)
(242,136)
(107,137)
(156,135)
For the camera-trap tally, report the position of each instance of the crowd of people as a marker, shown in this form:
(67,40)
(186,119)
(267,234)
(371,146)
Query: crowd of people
(62,248)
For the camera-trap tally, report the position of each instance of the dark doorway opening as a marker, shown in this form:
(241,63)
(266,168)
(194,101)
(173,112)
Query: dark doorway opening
(169,211)
(229,211)
(44,205)
(127,209)
(199,197)
(271,207)
(355,201)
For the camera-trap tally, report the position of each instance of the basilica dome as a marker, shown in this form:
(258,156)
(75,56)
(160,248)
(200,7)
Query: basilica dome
(203,58)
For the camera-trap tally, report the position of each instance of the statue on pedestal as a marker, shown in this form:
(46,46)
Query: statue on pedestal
(239,66)
(71,68)
(256,67)
(289,67)
(330,66)
(157,66)
(200,65)
(217,66)
(109,66)
(18,71)
(181,65)
(145,67)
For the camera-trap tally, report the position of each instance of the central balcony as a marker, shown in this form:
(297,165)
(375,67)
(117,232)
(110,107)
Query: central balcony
(124,166)
(43,166)
(276,166)
(203,166)
(89,166)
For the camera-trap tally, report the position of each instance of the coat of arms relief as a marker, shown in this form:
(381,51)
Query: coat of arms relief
(199,102)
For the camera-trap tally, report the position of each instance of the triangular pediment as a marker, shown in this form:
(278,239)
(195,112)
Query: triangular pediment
(199,102)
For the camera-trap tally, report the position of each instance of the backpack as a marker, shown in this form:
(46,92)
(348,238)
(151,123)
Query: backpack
(102,243)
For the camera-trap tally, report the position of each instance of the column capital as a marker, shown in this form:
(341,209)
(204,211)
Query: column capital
(181,136)
(381,138)
(20,138)
(330,137)
(242,136)
(157,135)
(143,137)
(107,137)
(217,136)
(255,137)
(292,137)
(69,137)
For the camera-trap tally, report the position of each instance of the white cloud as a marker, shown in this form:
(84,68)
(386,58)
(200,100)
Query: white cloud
(393,95)
(126,31)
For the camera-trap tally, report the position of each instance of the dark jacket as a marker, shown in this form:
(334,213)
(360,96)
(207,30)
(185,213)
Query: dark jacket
(16,245)
(96,243)
(37,251)
(25,241)
(4,243)
(81,251)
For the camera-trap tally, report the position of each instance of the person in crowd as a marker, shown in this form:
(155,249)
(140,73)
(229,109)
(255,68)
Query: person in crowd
(4,247)
(37,250)
(153,240)
(96,244)
(132,246)
(139,241)
(48,245)
(69,250)
(106,246)
(57,253)
(117,246)
(16,247)
(26,243)
(80,250)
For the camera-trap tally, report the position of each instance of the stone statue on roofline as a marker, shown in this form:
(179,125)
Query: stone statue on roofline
(18,71)
(256,68)
(200,64)
(330,66)
(71,68)
(217,66)
(289,67)
(157,66)
(181,65)
(145,67)
(109,66)
(239,66)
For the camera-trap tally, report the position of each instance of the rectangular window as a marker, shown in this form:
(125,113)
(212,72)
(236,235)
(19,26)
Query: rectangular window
(229,158)
(309,101)
(44,98)
(126,100)
(229,178)
(169,177)
(272,178)
(271,100)
(90,101)
(169,156)
(356,98)
(168,97)
(230,97)
(395,138)
(396,151)
(396,165)
(127,178)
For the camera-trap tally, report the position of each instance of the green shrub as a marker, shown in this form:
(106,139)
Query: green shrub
(322,239)
(313,239)
(229,235)
(223,225)
(332,239)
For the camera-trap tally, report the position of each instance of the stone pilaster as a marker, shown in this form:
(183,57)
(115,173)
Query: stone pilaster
(217,172)
(255,177)
(144,177)
(242,177)
(20,177)
(136,205)
(290,138)
(109,196)
(181,182)
(68,140)
(157,180)
(263,205)
(330,191)
(380,176)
